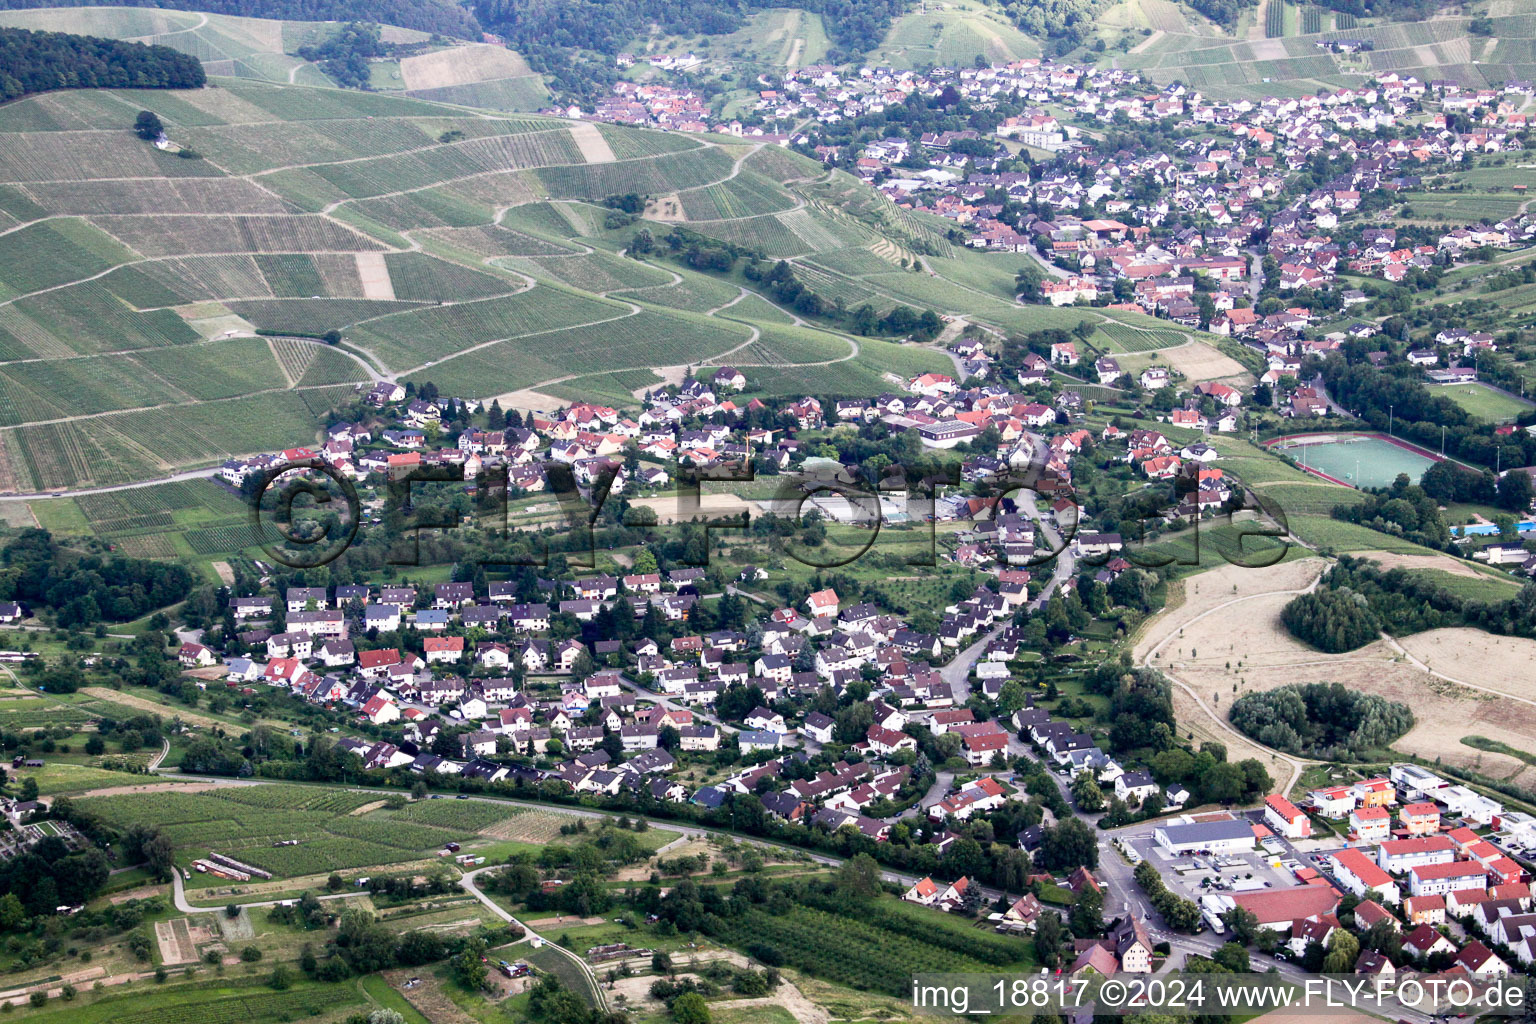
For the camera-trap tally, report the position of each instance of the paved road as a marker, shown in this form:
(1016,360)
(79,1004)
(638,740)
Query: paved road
(191,474)
(1065,563)
(941,783)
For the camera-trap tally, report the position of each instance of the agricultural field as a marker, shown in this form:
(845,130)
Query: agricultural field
(335,829)
(953,34)
(1123,338)
(880,951)
(467,250)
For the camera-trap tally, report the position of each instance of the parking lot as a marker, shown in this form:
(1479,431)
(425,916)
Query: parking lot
(1194,875)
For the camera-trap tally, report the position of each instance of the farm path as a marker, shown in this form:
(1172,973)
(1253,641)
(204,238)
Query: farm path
(1424,667)
(162,405)
(191,474)
(798,321)
(201,23)
(633,309)
(1155,652)
(179,897)
(468,882)
(1149,42)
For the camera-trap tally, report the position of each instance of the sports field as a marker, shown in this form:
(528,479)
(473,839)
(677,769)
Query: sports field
(1486,403)
(1359,460)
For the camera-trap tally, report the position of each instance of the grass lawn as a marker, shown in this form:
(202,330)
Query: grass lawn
(1209,544)
(380,991)
(61,515)
(1485,403)
(1339,536)
(215,999)
(571,975)
(725,1013)
(56,778)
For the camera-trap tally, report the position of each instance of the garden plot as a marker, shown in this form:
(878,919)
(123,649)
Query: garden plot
(1199,362)
(175,940)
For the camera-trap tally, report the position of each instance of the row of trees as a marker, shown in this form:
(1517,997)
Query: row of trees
(1409,603)
(1394,396)
(608,26)
(1181,914)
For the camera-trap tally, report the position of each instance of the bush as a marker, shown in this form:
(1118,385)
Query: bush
(1332,620)
(1322,720)
(250,954)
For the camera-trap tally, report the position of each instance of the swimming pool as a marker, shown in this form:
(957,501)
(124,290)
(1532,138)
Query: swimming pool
(1359,460)
(1488,529)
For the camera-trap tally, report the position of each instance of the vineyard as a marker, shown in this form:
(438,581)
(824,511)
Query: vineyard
(86,318)
(694,294)
(177,235)
(641,339)
(1123,338)
(244,822)
(420,278)
(219,369)
(1274,19)
(496,257)
(53,253)
(1311,20)
(408,339)
(877,953)
(745,195)
(596,272)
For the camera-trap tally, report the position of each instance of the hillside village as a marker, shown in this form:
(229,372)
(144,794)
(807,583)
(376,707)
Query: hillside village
(1125,218)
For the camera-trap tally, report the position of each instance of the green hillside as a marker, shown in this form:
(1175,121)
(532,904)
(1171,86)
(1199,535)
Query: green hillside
(468,249)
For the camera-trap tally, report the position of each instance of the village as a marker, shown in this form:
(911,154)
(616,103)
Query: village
(837,714)
(1136,224)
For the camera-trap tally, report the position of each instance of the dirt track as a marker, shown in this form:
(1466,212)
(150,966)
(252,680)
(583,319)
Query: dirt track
(1221,649)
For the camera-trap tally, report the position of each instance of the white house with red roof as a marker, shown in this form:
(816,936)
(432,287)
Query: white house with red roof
(1428,879)
(440,649)
(822,603)
(192,655)
(1420,819)
(380,708)
(1370,824)
(1360,875)
(924,892)
(371,664)
(885,742)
